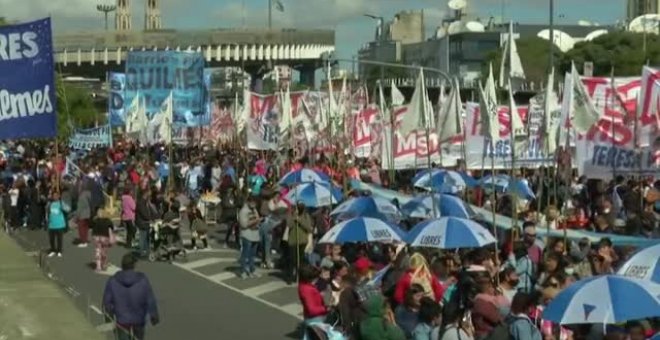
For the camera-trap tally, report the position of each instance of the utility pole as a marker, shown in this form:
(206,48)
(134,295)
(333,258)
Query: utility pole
(106,9)
(270,14)
(552,35)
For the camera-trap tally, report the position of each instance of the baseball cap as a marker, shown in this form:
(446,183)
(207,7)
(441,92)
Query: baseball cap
(362,264)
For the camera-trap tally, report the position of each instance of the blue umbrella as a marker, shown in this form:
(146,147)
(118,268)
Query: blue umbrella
(445,181)
(315,194)
(449,233)
(645,264)
(302,176)
(446,205)
(367,206)
(605,299)
(504,184)
(363,229)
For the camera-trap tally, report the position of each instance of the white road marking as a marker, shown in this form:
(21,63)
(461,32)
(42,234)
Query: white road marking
(206,262)
(265,288)
(112,269)
(294,309)
(96,309)
(288,310)
(106,327)
(31,253)
(222,276)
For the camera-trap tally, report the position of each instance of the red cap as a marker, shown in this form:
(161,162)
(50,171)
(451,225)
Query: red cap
(362,264)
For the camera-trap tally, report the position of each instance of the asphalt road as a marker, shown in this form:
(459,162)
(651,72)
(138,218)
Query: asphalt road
(198,298)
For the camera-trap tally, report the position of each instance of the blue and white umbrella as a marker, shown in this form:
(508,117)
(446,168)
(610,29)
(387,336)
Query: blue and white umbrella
(302,176)
(445,205)
(645,264)
(449,233)
(315,194)
(367,206)
(363,229)
(504,184)
(445,181)
(605,299)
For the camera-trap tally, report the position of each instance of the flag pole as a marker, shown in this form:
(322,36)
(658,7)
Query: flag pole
(514,196)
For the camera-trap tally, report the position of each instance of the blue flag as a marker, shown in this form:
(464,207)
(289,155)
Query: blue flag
(27,81)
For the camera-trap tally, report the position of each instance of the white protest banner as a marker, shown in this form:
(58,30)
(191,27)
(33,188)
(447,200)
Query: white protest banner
(480,153)
(87,139)
(364,132)
(411,151)
(618,144)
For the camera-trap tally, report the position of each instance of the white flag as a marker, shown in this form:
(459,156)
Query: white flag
(416,113)
(550,126)
(490,123)
(582,111)
(166,124)
(511,65)
(491,93)
(449,120)
(397,96)
(517,127)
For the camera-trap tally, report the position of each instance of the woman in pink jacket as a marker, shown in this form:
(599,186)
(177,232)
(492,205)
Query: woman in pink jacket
(128,216)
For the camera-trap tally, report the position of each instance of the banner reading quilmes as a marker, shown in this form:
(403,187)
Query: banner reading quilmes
(153,75)
(87,139)
(27,81)
(117,85)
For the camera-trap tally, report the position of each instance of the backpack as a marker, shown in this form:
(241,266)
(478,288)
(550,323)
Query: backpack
(500,332)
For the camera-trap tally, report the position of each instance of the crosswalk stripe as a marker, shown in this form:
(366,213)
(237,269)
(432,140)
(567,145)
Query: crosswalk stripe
(294,309)
(222,276)
(265,288)
(206,262)
(111,270)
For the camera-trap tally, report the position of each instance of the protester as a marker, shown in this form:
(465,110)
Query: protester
(299,224)
(84,213)
(128,215)
(103,235)
(57,224)
(249,220)
(128,298)
(376,325)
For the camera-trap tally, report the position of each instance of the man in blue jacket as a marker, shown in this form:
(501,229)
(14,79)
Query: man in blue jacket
(128,298)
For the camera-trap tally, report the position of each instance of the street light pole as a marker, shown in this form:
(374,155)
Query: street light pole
(106,9)
(552,35)
(270,14)
(379,40)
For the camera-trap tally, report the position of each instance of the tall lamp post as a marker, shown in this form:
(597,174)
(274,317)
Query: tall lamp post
(379,39)
(552,34)
(106,9)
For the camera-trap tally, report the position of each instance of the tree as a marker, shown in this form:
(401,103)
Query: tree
(621,51)
(388,72)
(534,54)
(75,106)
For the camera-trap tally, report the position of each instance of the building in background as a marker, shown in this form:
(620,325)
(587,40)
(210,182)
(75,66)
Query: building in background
(460,46)
(636,8)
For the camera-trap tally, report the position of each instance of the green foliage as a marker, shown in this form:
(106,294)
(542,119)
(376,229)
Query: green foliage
(622,52)
(75,106)
(534,54)
(388,72)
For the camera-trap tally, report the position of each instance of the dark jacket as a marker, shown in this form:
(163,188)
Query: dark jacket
(129,298)
(145,213)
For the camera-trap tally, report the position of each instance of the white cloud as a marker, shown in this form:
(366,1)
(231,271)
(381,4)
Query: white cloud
(32,9)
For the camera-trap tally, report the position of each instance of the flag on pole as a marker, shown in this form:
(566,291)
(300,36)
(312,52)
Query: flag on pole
(71,169)
(279,5)
(449,119)
(419,115)
(397,96)
(511,60)
(285,120)
(550,125)
(490,124)
(582,111)
(165,129)
(137,121)
(517,126)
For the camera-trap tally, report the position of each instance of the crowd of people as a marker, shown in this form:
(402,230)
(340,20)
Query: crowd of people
(495,292)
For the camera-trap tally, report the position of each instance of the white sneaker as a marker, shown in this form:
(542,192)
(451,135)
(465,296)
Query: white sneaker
(82,245)
(51,254)
(59,254)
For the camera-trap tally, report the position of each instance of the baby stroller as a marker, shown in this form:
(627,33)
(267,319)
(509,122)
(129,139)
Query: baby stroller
(166,242)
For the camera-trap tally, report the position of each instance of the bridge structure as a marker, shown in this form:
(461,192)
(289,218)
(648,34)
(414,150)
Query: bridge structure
(257,51)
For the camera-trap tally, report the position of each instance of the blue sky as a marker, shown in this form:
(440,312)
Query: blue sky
(345,16)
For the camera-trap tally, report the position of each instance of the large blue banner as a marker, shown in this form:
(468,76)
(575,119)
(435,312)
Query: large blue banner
(153,75)
(27,81)
(117,85)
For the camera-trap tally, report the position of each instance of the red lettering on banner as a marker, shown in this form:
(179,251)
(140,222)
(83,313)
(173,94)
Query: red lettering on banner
(415,143)
(363,121)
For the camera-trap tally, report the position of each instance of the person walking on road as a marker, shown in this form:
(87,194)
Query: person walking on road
(84,214)
(102,232)
(128,216)
(299,225)
(145,214)
(56,225)
(249,220)
(128,298)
